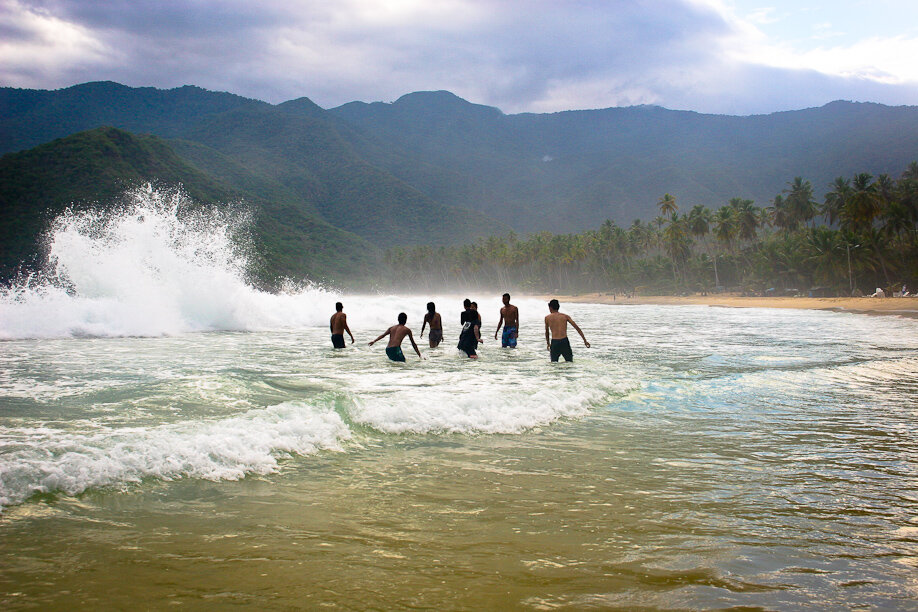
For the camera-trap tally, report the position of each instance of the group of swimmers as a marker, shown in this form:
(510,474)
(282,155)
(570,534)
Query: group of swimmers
(555,330)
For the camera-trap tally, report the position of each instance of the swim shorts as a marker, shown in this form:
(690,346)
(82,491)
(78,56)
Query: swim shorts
(395,353)
(508,338)
(338,340)
(561,348)
(436,336)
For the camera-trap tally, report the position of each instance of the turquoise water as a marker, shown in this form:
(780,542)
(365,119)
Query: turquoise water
(170,436)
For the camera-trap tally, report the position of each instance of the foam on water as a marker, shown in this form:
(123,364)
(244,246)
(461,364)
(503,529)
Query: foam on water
(47,459)
(154,267)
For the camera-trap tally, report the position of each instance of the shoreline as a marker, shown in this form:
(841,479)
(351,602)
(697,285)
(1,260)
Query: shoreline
(903,307)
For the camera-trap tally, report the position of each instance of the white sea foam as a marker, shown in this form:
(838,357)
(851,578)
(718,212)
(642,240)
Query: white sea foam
(44,459)
(154,267)
(488,410)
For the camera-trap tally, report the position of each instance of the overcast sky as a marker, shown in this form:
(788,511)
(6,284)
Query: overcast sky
(717,56)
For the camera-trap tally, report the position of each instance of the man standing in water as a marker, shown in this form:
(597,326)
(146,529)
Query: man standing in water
(436,325)
(510,319)
(396,334)
(556,325)
(338,325)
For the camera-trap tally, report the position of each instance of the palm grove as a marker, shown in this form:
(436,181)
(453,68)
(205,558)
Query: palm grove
(862,235)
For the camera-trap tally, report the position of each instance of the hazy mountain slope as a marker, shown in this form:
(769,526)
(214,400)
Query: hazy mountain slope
(304,152)
(573,169)
(93,169)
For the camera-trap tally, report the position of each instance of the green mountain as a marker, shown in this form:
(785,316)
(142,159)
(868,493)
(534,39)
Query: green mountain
(94,168)
(334,186)
(572,170)
(324,210)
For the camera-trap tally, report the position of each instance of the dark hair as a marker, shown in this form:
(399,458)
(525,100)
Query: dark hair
(554,305)
(506,295)
(466,302)
(402,317)
(339,306)
(431,307)
(474,305)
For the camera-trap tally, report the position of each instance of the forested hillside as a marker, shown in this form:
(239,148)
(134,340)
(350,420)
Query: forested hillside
(93,169)
(334,188)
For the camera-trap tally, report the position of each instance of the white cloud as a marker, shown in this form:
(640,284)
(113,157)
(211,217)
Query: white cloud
(533,55)
(37,46)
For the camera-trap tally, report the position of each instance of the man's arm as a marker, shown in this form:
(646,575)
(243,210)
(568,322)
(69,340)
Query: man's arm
(416,349)
(477,330)
(348,329)
(381,336)
(331,324)
(499,323)
(571,321)
(425,325)
(547,334)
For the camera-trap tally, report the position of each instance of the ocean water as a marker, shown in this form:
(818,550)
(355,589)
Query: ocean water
(171,436)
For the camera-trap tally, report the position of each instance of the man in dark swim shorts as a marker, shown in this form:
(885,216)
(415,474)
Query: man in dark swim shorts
(338,325)
(396,334)
(395,353)
(556,333)
(436,325)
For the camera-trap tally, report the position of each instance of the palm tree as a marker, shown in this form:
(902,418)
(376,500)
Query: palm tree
(802,207)
(836,200)
(863,205)
(746,216)
(677,243)
(781,215)
(668,206)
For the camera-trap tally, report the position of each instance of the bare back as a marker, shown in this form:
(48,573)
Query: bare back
(557,323)
(338,323)
(397,333)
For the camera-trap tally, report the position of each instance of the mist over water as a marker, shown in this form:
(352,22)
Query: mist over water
(170,434)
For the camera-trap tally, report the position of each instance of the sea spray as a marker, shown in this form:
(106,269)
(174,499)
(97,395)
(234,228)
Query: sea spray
(155,266)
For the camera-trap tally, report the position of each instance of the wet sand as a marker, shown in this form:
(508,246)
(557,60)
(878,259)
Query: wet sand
(905,307)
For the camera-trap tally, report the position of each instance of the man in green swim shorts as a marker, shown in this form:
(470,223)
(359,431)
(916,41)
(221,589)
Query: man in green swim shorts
(396,334)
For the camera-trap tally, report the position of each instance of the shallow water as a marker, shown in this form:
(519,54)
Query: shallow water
(170,435)
(694,458)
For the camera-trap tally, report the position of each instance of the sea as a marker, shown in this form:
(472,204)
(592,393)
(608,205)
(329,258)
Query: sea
(173,437)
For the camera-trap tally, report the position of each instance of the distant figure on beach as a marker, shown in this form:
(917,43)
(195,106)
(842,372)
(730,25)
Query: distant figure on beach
(436,325)
(396,334)
(470,335)
(338,325)
(556,325)
(510,319)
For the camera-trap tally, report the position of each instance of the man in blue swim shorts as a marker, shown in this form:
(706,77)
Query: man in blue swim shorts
(396,334)
(510,319)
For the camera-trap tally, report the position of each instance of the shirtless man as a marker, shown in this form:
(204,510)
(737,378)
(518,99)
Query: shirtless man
(396,334)
(510,319)
(436,325)
(338,325)
(556,323)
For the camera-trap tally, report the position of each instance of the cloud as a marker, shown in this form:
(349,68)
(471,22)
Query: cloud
(519,55)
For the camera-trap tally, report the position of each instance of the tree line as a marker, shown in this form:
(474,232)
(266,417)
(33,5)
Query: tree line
(860,236)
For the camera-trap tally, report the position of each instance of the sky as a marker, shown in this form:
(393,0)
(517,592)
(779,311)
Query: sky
(735,57)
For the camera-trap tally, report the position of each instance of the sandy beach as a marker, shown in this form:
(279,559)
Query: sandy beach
(905,307)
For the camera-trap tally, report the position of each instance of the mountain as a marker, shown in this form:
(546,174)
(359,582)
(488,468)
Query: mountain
(291,159)
(93,169)
(434,168)
(571,170)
